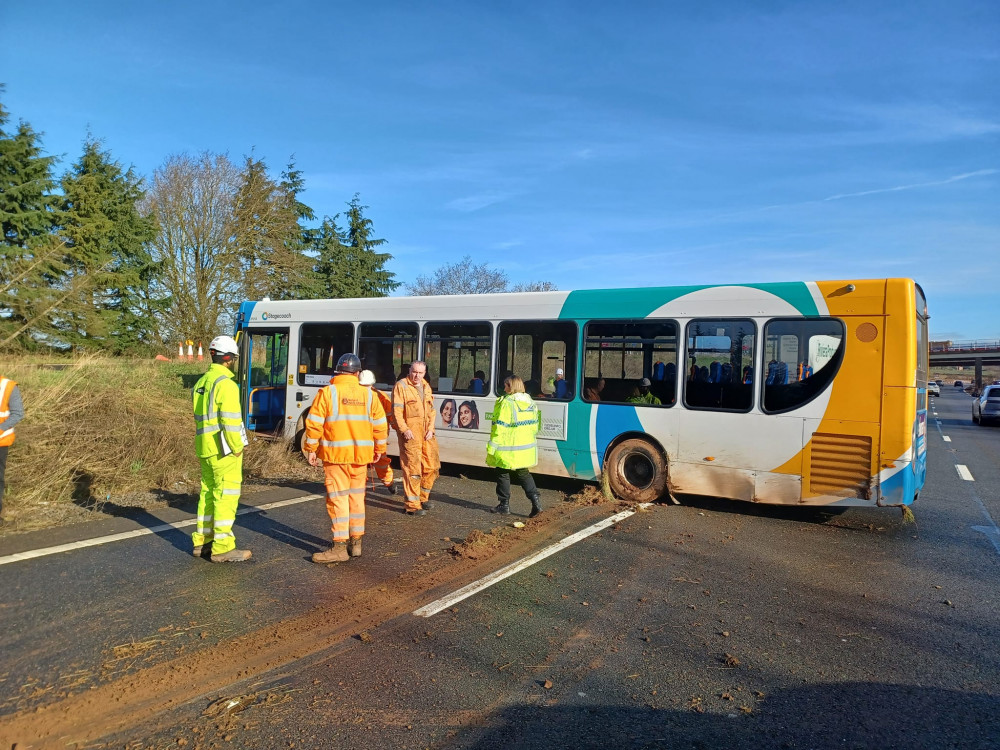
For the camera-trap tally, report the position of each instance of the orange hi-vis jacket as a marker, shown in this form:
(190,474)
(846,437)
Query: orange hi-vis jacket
(410,412)
(346,424)
(6,389)
(387,408)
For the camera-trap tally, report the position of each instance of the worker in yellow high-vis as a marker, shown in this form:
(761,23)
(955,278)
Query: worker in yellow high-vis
(219,442)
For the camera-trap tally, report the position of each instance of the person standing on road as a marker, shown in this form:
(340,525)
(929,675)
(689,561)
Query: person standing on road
(383,467)
(512,448)
(413,410)
(345,431)
(219,442)
(11,412)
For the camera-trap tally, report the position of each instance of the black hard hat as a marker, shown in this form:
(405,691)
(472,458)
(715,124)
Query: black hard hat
(349,363)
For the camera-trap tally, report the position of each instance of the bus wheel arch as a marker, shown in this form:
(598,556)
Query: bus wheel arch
(637,468)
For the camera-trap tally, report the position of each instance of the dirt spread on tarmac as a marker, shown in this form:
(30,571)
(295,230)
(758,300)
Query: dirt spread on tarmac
(138,697)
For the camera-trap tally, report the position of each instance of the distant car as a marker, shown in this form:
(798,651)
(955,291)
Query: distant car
(986,408)
(958,384)
(933,389)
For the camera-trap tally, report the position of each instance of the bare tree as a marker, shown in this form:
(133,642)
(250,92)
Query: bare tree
(466,277)
(194,200)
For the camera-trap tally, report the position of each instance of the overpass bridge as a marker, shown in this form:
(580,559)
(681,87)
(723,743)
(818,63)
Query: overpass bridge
(966,354)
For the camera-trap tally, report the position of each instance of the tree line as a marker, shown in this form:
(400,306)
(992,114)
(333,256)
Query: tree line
(97,259)
(102,259)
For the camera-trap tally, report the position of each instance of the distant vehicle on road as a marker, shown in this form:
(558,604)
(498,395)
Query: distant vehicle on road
(986,408)
(958,384)
(933,389)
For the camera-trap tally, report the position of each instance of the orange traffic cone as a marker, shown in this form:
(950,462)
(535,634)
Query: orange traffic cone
(180,350)
(201,356)
(190,350)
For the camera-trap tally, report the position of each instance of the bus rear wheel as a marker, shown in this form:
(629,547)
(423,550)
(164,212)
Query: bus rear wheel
(637,471)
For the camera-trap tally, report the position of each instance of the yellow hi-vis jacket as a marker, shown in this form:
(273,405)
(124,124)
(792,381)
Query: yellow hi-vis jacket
(6,389)
(516,421)
(217,418)
(346,423)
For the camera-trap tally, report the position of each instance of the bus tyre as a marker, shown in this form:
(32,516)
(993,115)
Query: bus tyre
(637,471)
(300,440)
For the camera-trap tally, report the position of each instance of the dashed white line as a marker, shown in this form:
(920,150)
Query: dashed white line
(963,471)
(33,553)
(946,438)
(498,575)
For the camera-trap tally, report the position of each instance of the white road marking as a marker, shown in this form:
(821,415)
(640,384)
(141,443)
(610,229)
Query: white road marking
(963,471)
(33,553)
(498,575)
(946,438)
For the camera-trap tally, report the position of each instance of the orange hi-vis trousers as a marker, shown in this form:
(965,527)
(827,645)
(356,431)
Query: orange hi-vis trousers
(420,465)
(383,469)
(345,499)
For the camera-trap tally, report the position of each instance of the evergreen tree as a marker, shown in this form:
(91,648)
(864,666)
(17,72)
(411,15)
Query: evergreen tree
(268,237)
(109,267)
(349,264)
(30,255)
(304,243)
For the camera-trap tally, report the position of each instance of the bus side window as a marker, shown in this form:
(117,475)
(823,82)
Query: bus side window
(623,353)
(454,352)
(803,356)
(717,349)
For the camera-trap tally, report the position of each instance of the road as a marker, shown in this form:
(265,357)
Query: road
(705,625)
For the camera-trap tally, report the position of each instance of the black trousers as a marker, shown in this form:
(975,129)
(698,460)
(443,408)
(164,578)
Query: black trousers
(523,477)
(3,469)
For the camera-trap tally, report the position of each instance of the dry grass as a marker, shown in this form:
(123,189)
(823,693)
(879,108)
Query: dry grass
(100,430)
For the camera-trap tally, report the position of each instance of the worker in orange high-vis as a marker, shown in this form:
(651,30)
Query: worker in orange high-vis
(413,410)
(345,431)
(383,467)
(11,412)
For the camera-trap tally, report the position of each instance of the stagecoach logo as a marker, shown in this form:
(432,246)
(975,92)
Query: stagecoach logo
(274,316)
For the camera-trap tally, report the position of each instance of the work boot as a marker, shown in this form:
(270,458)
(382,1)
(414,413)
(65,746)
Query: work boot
(391,488)
(503,509)
(336,553)
(202,550)
(427,504)
(234,555)
(536,505)
(354,546)
(420,512)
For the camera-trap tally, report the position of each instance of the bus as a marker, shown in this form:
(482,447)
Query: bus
(795,393)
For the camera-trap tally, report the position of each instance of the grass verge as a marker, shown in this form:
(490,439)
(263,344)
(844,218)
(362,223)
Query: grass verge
(100,434)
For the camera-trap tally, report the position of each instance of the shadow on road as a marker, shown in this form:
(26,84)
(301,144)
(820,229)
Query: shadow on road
(842,715)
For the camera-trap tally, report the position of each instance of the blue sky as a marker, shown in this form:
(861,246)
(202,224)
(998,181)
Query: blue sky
(588,144)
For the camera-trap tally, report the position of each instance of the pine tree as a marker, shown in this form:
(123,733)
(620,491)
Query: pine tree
(268,235)
(349,265)
(107,257)
(30,255)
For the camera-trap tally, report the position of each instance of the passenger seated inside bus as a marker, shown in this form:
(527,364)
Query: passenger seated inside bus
(477,385)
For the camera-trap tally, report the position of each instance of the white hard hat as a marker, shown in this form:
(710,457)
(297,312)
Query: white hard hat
(367,377)
(559,371)
(224,345)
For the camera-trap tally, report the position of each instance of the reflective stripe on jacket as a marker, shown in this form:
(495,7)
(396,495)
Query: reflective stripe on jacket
(218,420)
(516,421)
(346,423)
(7,387)
(409,411)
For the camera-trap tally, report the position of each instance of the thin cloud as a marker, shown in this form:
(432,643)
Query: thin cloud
(914,186)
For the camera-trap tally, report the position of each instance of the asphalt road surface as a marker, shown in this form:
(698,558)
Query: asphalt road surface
(705,625)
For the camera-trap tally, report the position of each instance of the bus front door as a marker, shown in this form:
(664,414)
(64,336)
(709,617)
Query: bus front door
(262,375)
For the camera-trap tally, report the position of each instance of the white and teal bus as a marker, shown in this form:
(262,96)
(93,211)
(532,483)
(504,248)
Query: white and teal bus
(809,393)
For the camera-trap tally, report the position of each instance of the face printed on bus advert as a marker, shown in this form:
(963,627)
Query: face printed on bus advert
(448,411)
(468,415)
